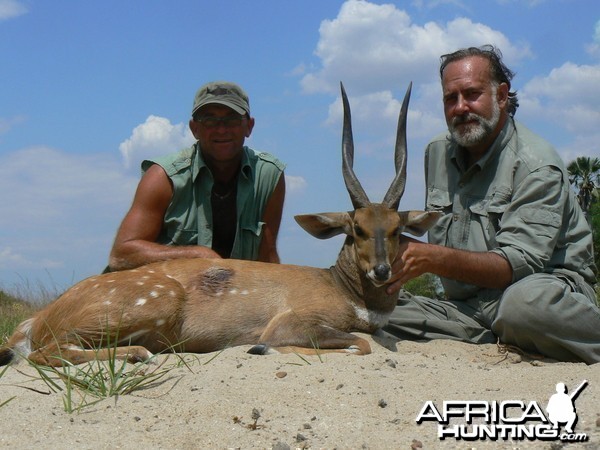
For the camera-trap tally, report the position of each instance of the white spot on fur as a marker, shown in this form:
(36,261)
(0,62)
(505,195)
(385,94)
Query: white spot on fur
(154,294)
(112,291)
(151,271)
(95,286)
(159,286)
(72,347)
(371,318)
(244,292)
(233,291)
(107,303)
(172,294)
(140,302)
(139,283)
(160,322)
(110,281)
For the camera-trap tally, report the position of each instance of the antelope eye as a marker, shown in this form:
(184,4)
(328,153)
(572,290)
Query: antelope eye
(358,231)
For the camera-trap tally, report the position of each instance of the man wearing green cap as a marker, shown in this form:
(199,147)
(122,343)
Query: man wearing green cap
(216,199)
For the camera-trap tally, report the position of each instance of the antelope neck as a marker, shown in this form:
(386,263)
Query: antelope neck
(351,278)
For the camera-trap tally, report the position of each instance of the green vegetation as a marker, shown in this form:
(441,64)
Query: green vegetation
(12,312)
(427,285)
(584,176)
(86,384)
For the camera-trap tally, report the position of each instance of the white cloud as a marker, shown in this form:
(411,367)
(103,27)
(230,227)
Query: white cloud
(594,48)
(9,259)
(373,47)
(582,145)
(155,137)
(11,8)
(563,107)
(568,96)
(294,183)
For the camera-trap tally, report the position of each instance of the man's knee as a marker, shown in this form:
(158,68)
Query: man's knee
(526,304)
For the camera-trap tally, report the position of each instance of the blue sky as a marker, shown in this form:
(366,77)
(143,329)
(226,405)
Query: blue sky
(89,89)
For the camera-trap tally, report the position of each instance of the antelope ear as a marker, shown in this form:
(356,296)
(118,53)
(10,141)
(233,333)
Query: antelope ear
(418,222)
(325,225)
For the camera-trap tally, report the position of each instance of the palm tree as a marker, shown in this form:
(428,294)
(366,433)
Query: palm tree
(584,175)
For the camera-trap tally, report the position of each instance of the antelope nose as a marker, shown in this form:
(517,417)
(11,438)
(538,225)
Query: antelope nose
(382,272)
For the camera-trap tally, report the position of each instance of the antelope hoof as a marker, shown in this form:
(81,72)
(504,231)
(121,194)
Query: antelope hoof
(141,356)
(260,349)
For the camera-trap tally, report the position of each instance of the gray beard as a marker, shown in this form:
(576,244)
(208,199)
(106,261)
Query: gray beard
(477,133)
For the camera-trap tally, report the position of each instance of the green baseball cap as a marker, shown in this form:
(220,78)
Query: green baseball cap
(223,93)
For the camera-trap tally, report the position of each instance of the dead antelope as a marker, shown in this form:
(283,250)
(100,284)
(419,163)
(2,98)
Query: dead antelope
(203,305)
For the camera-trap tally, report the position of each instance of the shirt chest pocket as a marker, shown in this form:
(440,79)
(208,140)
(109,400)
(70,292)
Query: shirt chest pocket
(488,214)
(440,200)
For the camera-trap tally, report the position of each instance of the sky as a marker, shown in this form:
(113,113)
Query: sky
(90,89)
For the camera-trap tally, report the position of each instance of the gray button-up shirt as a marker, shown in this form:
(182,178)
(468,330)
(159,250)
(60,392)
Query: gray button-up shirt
(516,201)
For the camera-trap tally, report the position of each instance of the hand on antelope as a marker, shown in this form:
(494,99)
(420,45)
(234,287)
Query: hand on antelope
(410,262)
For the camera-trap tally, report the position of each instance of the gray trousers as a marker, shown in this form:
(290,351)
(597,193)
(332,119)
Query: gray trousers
(551,314)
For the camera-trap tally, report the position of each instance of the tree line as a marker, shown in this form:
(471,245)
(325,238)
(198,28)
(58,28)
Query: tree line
(584,176)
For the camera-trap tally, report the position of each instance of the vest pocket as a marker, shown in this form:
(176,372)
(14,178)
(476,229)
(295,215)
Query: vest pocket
(248,242)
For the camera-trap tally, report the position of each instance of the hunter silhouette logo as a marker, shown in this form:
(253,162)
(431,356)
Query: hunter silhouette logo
(561,406)
(507,420)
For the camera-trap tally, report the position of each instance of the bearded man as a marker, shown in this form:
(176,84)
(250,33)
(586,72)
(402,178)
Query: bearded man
(513,248)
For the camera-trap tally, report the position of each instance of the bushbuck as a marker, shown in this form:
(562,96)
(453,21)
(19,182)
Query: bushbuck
(204,305)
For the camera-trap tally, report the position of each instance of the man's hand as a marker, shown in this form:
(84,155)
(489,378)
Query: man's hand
(410,262)
(484,269)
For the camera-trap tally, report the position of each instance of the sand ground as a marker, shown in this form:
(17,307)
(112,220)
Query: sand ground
(236,400)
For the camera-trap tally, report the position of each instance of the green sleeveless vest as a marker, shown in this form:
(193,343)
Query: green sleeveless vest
(188,220)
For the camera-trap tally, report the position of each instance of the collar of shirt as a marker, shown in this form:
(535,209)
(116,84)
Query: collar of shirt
(458,153)
(199,165)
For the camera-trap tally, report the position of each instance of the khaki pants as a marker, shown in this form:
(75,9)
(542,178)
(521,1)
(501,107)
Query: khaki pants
(552,314)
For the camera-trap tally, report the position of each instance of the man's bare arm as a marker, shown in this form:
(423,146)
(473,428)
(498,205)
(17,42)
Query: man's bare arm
(135,243)
(272,217)
(415,258)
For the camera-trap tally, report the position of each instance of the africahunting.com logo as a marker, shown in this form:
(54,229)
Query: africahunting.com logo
(507,420)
